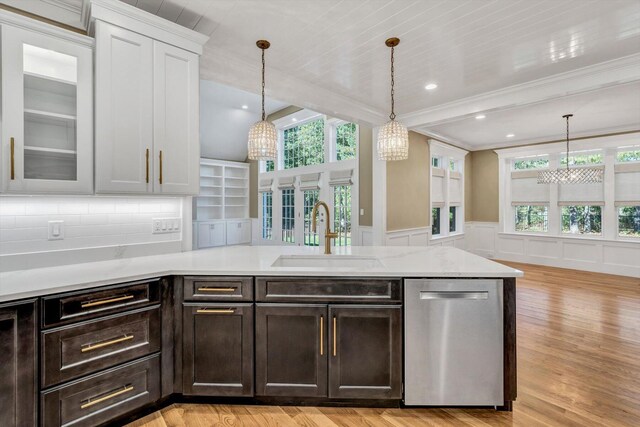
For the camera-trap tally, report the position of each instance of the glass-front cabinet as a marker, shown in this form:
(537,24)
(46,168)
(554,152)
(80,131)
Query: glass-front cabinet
(47,112)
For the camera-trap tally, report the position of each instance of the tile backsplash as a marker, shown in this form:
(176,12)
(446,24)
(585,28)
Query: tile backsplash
(89,222)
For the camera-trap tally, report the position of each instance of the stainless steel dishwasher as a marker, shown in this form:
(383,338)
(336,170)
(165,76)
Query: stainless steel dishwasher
(453,342)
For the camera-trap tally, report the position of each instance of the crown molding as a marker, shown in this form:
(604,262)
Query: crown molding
(586,79)
(225,67)
(133,19)
(31,24)
(434,136)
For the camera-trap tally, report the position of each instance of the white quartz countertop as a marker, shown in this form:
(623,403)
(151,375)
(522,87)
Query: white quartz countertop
(395,261)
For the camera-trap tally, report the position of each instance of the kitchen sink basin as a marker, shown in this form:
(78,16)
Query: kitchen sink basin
(328,261)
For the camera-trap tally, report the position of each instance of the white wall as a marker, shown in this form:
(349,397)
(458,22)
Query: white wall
(121,225)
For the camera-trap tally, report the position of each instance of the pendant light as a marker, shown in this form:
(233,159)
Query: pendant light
(263,138)
(393,137)
(569,175)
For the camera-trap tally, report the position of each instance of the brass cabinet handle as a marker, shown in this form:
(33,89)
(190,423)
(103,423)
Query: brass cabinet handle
(147,167)
(91,347)
(13,161)
(335,328)
(213,289)
(160,177)
(105,301)
(94,401)
(321,335)
(215,311)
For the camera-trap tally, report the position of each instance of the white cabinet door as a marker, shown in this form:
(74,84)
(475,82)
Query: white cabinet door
(124,111)
(176,120)
(47,113)
(211,234)
(238,232)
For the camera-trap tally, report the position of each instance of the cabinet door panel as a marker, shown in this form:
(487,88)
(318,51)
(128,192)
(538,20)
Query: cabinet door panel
(124,111)
(176,120)
(218,349)
(18,331)
(366,352)
(291,350)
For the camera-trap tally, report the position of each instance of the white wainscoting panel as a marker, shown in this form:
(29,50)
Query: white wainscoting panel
(408,237)
(366,235)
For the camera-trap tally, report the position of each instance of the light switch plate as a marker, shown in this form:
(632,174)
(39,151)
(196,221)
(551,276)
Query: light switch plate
(56,230)
(165,225)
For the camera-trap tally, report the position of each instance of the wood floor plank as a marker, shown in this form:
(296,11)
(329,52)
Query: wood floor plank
(578,337)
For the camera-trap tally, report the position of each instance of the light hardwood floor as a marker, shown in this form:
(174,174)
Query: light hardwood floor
(578,365)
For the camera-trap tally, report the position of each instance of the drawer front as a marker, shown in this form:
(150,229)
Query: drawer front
(73,351)
(67,308)
(206,288)
(103,397)
(286,289)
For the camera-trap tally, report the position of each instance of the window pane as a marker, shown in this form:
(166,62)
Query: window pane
(342,214)
(453,165)
(269,166)
(582,159)
(304,144)
(531,218)
(629,221)
(452,219)
(310,199)
(435,221)
(288,216)
(628,156)
(346,141)
(582,219)
(435,162)
(267,215)
(532,163)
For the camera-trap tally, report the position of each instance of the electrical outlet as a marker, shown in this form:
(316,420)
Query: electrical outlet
(165,225)
(56,230)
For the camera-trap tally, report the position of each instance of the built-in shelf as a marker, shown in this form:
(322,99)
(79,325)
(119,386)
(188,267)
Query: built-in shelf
(50,150)
(49,78)
(48,114)
(231,181)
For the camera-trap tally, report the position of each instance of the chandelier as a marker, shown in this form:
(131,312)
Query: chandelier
(263,138)
(570,175)
(393,137)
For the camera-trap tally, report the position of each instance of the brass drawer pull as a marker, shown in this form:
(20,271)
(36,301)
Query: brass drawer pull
(160,176)
(94,401)
(210,289)
(215,311)
(105,301)
(335,341)
(321,335)
(13,160)
(147,167)
(90,347)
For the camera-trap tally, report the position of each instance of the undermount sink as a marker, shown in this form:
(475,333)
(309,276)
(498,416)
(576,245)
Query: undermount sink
(328,261)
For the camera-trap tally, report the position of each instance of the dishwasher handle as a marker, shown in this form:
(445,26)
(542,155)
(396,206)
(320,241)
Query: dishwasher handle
(468,295)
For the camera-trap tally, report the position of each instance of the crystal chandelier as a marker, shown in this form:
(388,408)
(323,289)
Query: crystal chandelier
(263,138)
(568,175)
(393,137)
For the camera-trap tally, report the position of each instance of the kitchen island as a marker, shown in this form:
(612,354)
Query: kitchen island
(268,324)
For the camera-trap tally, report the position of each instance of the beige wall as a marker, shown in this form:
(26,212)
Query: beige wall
(408,187)
(468,183)
(365,166)
(482,188)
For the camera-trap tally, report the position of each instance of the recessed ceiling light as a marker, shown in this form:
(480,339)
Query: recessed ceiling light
(244,107)
(431,86)
(294,120)
(510,135)
(480,116)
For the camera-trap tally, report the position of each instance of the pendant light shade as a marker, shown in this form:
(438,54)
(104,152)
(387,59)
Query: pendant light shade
(580,175)
(263,137)
(393,137)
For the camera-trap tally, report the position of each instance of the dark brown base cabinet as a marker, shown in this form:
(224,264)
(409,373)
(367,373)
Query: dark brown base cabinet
(18,364)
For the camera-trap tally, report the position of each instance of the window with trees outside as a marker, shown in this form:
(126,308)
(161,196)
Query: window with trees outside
(537,162)
(310,199)
(267,215)
(629,221)
(435,221)
(342,214)
(288,215)
(452,219)
(303,145)
(628,156)
(582,219)
(532,218)
(346,137)
(577,159)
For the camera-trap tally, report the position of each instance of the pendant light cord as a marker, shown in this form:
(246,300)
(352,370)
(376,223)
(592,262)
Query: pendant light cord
(392,116)
(567,117)
(263,115)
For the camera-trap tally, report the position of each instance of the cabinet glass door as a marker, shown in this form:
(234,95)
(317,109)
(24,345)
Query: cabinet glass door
(50,115)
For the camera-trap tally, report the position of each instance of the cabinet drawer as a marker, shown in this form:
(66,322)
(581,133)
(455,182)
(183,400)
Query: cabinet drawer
(205,288)
(74,351)
(285,289)
(100,398)
(74,307)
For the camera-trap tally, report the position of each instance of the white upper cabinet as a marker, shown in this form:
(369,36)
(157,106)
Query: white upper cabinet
(124,111)
(147,102)
(176,119)
(47,109)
